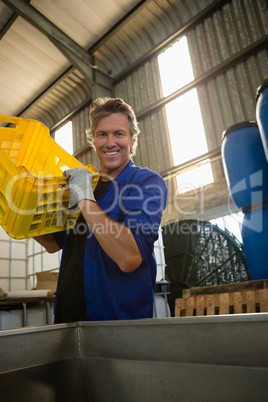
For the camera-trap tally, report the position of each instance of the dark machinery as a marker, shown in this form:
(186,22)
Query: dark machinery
(198,253)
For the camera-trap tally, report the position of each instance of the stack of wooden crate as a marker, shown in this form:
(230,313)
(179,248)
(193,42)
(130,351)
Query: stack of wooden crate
(235,298)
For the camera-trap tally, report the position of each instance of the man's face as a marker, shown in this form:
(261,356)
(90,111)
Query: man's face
(112,141)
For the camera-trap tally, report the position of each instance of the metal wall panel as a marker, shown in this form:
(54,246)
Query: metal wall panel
(226,96)
(82,151)
(154,149)
(141,89)
(228,32)
(229,97)
(154,24)
(66,95)
(235,26)
(80,122)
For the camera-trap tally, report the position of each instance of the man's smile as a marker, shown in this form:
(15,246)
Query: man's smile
(111,153)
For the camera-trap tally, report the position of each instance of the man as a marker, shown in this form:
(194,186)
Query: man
(108,269)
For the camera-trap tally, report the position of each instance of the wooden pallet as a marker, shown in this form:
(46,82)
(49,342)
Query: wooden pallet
(238,302)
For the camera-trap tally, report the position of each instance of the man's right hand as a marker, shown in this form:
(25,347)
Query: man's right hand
(80,185)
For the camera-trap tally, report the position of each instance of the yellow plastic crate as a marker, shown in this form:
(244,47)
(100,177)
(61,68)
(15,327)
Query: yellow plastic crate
(33,195)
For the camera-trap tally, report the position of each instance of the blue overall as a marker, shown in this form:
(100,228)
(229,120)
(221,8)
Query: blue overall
(136,199)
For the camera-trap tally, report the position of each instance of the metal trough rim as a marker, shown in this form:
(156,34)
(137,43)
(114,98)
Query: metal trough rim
(212,319)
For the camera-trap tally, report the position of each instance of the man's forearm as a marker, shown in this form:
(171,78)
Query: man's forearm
(48,242)
(115,239)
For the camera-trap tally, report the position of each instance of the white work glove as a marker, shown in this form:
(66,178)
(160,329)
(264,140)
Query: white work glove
(80,185)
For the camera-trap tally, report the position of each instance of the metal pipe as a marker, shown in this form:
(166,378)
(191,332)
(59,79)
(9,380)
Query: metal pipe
(199,160)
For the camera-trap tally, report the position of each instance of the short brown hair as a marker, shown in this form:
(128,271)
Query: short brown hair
(102,107)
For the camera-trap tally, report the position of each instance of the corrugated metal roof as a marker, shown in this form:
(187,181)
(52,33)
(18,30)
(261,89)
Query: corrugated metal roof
(34,73)
(31,63)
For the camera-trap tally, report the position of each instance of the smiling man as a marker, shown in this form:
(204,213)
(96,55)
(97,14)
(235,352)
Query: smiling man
(113,143)
(108,268)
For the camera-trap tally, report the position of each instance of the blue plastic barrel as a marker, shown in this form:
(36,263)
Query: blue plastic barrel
(246,172)
(262,114)
(255,240)
(245,164)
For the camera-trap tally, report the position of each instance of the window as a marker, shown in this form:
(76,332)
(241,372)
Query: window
(64,137)
(233,223)
(187,135)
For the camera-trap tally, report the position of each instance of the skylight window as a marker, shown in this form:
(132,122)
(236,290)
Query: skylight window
(187,134)
(175,67)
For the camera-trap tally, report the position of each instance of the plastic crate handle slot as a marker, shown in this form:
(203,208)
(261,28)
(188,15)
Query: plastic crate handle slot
(9,119)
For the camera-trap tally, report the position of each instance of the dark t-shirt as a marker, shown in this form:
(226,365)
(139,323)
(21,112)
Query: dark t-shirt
(70,301)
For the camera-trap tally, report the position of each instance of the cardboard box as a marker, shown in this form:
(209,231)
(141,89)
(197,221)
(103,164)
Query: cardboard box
(47,280)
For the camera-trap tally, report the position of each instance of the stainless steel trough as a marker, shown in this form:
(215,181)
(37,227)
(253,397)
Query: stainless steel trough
(211,358)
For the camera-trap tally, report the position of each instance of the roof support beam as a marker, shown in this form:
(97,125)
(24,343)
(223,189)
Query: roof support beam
(76,54)
(9,23)
(83,67)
